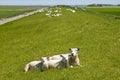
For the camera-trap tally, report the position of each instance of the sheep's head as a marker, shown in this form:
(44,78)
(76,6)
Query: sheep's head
(74,51)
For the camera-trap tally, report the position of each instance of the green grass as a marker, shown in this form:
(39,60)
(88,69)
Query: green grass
(9,11)
(31,37)
(111,11)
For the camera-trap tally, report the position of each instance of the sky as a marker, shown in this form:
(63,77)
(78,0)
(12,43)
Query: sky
(56,2)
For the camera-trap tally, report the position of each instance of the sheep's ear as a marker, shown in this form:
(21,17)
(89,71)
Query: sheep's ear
(70,49)
(61,56)
(78,49)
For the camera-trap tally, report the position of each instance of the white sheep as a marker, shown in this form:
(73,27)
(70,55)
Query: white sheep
(60,63)
(71,10)
(35,64)
(72,57)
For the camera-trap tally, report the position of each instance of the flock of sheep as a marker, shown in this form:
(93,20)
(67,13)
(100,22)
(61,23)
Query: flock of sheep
(60,61)
(53,12)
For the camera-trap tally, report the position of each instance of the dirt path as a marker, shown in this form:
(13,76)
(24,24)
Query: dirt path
(6,20)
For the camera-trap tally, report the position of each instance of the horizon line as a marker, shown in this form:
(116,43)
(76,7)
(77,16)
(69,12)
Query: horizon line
(48,4)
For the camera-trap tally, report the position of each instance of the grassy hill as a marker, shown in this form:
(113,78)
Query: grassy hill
(38,35)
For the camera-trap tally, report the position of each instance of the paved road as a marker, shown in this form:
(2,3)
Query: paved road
(6,20)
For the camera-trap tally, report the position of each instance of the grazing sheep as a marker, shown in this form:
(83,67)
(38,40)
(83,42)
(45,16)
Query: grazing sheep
(56,11)
(71,10)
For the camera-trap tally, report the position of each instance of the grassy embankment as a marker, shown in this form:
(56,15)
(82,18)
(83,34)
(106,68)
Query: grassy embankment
(31,37)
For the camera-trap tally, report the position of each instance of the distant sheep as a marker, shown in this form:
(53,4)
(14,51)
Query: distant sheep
(53,12)
(71,10)
(49,11)
(56,15)
(56,11)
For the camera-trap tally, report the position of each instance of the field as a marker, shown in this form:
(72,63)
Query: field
(107,10)
(9,11)
(32,37)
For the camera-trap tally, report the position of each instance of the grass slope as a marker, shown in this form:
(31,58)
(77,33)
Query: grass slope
(111,11)
(30,38)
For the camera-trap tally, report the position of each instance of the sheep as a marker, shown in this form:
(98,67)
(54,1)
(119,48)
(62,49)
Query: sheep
(47,14)
(47,64)
(35,64)
(72,57)
(56,11)
(60,63)
(71,10)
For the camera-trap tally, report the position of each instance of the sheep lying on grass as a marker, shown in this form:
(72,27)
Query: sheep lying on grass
(47,64)
(35,64)
(56,61)
(60,63)
(72,57)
